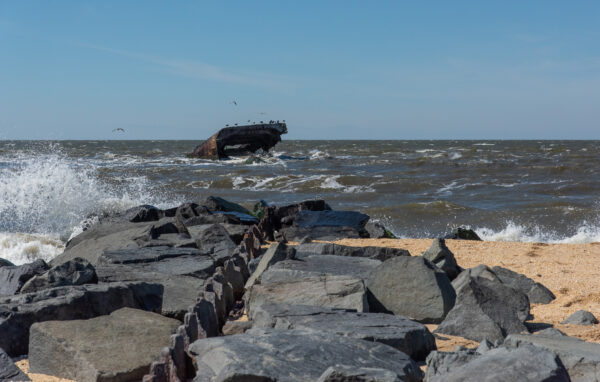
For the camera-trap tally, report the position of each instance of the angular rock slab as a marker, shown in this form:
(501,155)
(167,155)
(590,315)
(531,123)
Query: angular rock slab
(12,278)
(439,254)
(536,292)
(581,317)
(344,292)
(401,333)
(580,358)
(113,348)
(276,252)
(74,272)
(292,356)
(18,313)
(376,253)
(485,307)
(412,287)
(526,364)
(343,373)
(9,372)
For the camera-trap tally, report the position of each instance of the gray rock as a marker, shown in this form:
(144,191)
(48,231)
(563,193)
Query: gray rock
(461,233)
(236,327)
(537,293)
(215,203)
(276,252)
(179,291)
(330,291)
(12,278)
(484,346)
(236,231)
(377,253)
(113,348)
(399,332)
(550,332)
(319,265)
(343,373)
(443,258)
(325,225)
(5,263)
(527,364)
(580,358)
(376,230)
(581,317)
(19,312)
(9,372)
(485,308)
(75,272)
(443,363)
(215,242)
(412,287)
(292,355)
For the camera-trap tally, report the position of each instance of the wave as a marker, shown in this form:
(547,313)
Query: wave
(21,248)
(585,233)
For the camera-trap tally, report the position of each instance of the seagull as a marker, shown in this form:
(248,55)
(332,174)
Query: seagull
(118,129)
(234,103)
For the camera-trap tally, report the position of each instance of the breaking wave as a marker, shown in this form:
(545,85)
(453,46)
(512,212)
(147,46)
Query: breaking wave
(585,233)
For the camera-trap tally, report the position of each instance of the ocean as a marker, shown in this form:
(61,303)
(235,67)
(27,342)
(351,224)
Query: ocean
(533,191)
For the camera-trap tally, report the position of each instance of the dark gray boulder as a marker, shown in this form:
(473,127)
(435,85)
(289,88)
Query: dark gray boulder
(326,225)
(332,291)
(215,242)
(9,372)
(442,363)
(13,277)
(75,272)
(143,213)
(344,373)
(215,203)
(485,308)
(277,252)
(376,230)
(443,258)
(18,313)
(527,364)
(581,317)
(412,287)
(113,348)
(580,358)
(461,233)
(5,263)
(319,265)
(293,355)
(536,292)
(236,231)
(376,253)
(399,332)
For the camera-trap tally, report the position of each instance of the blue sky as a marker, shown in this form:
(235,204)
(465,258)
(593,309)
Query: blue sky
(331,69)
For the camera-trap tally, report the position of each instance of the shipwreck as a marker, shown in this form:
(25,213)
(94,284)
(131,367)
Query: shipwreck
(241,140)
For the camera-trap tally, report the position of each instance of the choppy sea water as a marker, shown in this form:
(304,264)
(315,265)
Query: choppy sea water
(547,191)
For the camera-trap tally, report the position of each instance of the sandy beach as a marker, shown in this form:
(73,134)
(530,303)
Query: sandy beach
(570,271)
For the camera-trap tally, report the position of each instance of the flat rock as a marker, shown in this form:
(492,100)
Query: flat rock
(442,363)
(580,358)
(330,291)
(292,356)
(376,253)
(236,231)
(9,372)
(215,203)
(581,317)
(113,348)
(319,265)
(439,254)
(526,364)
(13,277)
(536,292)
(485,308)
(412,287)
(277,252)
(75,272)
(215,242)
(18,313)
(399,332)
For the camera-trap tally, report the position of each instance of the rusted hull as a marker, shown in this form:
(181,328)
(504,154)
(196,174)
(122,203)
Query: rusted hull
(240,140)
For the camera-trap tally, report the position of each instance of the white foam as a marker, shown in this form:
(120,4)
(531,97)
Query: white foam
(21,248)
(585,233)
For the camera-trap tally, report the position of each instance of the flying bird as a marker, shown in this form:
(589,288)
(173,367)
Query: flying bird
(118,129)
(234,103)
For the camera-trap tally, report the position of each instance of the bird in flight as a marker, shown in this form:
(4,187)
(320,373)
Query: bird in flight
(118,129)
(234,103)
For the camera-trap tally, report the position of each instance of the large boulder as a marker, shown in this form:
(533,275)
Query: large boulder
(536,292)
(442,363)
(377,230)
(113,348)
(9,372)
(13,277)
(292,355)
(332,291)
(376,253)
(215,203)
(580,358)
(401,333)
(527,364)
(443,258)
(215,242)
(461,233)
(75,272)
(412,287)
(236,231)
(326,225)
(319,265)
(276,252)
(485,308)
(18,313)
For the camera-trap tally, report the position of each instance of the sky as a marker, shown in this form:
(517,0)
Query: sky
(331,69)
